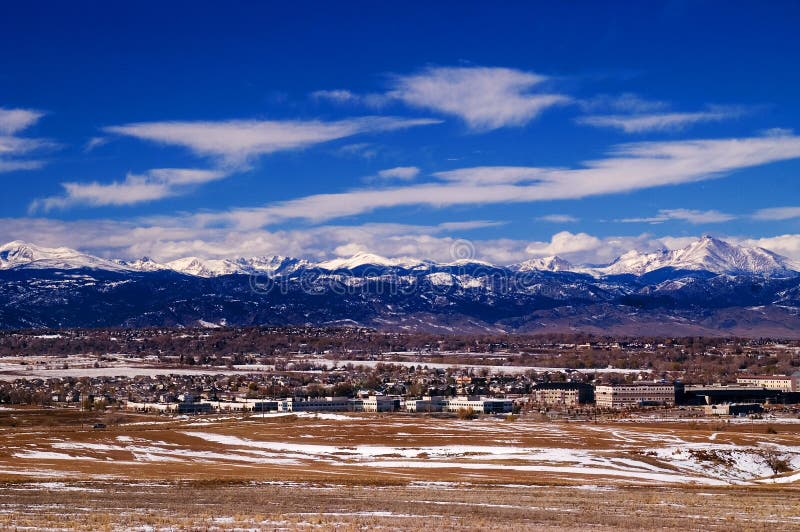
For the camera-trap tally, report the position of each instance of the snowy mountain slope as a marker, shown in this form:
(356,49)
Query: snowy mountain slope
(204,267)
(369,259)
(145,264)
(706,254)
(245,266)
(546,264)
(22,255)
(41,287)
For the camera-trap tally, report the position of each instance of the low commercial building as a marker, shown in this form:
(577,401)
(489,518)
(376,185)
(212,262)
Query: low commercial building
(321,404)
(784,383)
(426,404)
(722,394)
(379,403)
(481,405)
(185,407)
(733,409)
(568,394)
(634,395)
(242,405)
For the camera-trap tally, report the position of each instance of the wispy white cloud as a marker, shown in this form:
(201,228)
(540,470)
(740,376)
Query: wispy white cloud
(629,167)
(363,150)
(14,165)
(485,98)
(558,218)
(623,103)
(402,173)
(95,142)
(343,96)
(787,245)
(472,224)
(13,121)
(15,150)
(236,142)
(660,121)
(336,95)
(777,213)
(685,215)
(153,185)
(777,132)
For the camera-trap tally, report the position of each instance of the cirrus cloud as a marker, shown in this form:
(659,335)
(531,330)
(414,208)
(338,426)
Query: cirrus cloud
(153,185)
(14,149)
(685,215)
(485,98)
(777,213)
(237,142)
(629,167)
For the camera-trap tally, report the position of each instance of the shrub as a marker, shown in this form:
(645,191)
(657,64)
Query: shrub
(466,413)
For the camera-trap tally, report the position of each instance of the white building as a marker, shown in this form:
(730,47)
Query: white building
(426,404)
(378,403)
(784,383)
(633,395)
(482,405)
(320,404)
(242,405)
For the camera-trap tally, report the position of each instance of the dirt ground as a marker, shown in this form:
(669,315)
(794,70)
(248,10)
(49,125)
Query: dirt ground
(361,471)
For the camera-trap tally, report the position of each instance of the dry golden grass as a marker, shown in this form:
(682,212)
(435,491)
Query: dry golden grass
(228,505)
(110,485)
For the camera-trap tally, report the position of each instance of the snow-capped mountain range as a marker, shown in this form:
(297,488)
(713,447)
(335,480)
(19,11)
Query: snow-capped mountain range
(708,287)
(706,254)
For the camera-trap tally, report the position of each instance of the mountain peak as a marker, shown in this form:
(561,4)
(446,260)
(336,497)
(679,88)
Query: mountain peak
(21,254)
(704,254)
(707,253)
(553,263)
(367,259)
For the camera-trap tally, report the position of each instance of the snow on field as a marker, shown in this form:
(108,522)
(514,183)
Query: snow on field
(17,372)
(508,370)
(150,451)
(48,455)
(54,486)
(730,462)
(711,464)
(633,475)
(403,448)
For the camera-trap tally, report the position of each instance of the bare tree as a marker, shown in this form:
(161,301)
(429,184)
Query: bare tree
(776,461)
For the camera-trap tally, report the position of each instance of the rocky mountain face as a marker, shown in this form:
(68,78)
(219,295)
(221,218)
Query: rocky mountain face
(709,287)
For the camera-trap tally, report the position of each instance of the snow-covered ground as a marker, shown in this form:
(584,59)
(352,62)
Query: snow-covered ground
(509,370)
(616,455)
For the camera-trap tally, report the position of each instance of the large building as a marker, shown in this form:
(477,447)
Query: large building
(479,405)
(426,404)
(321,404)
(733,409)
(700,394)
(377,403)
(373,403)
(569,394)
(784,383)
(634,395)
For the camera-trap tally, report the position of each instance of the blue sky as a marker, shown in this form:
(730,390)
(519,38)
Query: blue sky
(583,129)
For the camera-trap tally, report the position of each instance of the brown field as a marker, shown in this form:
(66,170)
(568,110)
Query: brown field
(366,471)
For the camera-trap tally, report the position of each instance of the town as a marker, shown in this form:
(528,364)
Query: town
(283,370)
